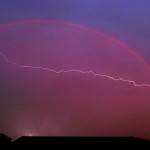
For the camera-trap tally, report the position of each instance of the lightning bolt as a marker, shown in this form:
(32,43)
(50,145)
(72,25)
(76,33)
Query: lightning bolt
(74,70)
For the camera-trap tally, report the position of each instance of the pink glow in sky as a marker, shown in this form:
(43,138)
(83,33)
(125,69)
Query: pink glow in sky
(60,78)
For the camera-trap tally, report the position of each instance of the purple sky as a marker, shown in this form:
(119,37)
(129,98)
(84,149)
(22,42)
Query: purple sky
(127,20)
(42,102)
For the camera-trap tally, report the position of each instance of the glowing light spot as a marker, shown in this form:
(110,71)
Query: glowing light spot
(27,132)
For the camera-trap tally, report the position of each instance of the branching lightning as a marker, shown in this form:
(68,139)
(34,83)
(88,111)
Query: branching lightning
(74,70)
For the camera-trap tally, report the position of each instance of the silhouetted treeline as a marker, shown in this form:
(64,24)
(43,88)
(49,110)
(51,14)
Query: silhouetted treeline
(53,142)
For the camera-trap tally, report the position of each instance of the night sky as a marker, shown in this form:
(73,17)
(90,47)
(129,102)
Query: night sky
(75,68)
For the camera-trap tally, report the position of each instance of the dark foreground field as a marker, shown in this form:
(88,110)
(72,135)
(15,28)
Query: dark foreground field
(53,142)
